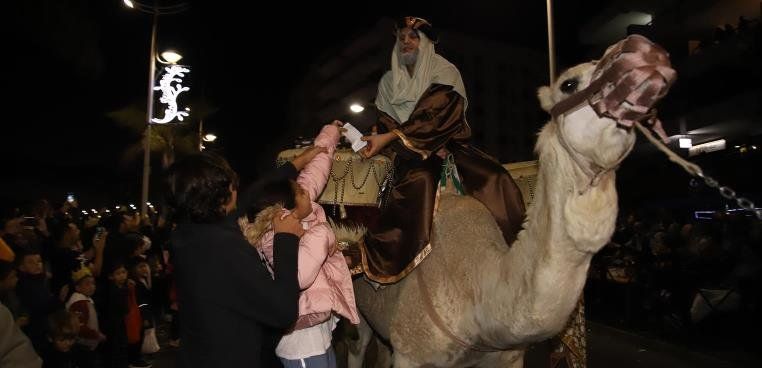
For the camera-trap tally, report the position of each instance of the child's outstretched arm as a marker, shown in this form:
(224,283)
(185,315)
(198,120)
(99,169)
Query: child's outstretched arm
(314,176)
(290,170)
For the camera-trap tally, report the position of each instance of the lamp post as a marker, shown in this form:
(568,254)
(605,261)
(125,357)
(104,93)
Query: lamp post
(551,42)
(208,137)
(154,10)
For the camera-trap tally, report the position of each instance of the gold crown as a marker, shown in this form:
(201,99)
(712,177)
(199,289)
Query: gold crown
(80,274)
(415,22)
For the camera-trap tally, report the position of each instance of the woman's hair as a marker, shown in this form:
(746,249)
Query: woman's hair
(272,197)
(199,187)
(272,193)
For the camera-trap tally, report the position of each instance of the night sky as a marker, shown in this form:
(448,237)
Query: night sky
(69,64)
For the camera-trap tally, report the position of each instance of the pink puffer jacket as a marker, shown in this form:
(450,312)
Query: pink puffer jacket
(324,278)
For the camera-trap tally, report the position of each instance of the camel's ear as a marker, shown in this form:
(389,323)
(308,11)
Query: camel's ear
(545,95)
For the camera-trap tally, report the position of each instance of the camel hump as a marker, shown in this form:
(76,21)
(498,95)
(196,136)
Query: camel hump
(462,219)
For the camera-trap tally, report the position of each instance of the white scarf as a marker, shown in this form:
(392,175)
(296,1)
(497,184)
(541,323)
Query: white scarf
(398,93)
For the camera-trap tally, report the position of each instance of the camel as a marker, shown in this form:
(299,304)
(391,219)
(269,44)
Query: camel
(475,301)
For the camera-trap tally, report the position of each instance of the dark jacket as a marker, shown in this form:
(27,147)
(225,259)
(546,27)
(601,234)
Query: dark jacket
(63,262)
(53,358)
(35,296)
(226,296)
(144,298)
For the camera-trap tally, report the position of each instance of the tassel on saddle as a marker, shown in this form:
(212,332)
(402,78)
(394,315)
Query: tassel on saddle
(348,239)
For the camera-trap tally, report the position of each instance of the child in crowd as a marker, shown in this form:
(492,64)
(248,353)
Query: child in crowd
(81,304)
(8,280)
(63,328)
(140,274)
(324,277)
(33,291)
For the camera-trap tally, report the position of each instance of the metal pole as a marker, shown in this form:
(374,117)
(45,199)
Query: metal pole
(201,135)
(551,44)
(149,115)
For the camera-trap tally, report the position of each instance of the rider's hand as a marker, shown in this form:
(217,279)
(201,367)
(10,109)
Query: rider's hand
(305,157)
(288,224)
(376,143)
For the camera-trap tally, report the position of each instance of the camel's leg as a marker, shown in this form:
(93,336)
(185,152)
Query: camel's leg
(516,362)
(401,361)
(384,355)
(506,359)
(356,348)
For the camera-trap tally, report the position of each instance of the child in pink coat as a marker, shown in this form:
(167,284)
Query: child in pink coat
(324,277)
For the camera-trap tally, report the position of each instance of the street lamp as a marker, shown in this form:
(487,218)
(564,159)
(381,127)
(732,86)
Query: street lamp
(154,10)
(204,138)
(356,108)
(208,137)
(170,57)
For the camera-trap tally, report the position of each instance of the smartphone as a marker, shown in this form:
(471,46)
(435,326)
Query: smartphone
(70,198)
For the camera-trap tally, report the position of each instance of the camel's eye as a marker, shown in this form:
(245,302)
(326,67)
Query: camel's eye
(569,86)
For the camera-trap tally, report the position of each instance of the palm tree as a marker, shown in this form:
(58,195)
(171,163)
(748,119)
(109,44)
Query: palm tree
(167,140)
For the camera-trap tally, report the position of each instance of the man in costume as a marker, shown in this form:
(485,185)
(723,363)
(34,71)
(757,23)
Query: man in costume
(421,103)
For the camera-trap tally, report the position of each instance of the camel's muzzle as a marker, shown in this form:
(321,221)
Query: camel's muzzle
(631,77)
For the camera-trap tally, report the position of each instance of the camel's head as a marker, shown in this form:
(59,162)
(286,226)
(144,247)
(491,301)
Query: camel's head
(595,104)
(598,139)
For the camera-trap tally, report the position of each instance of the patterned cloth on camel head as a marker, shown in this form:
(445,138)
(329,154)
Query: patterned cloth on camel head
(631,77)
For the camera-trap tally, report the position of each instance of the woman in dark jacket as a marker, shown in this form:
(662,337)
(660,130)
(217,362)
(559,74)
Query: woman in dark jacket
(226,296)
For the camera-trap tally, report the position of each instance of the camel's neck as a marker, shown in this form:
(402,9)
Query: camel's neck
(543,274)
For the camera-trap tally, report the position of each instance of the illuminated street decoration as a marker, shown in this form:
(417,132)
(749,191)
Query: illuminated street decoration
(171,87)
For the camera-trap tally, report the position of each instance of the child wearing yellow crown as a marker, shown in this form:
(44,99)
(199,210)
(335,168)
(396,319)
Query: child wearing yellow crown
(81,304)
